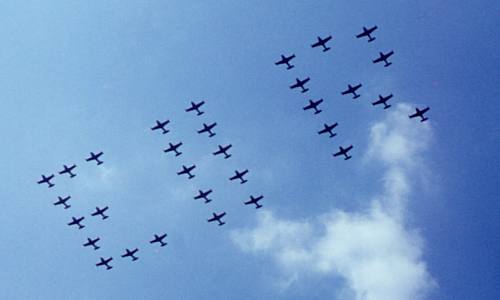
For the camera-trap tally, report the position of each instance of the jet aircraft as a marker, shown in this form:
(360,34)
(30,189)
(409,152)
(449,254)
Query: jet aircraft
(187,170)
(62,201)
(159,239)
(92,242)
(255,200)
(203,195)
(329,129)
(129,253)
(95,157)
(46,179)
(239,175)
(300,83)
(105,262)
(420,113)
(100,211)
(77,221)
(223,150)
(173,148)
(286,60)
(218,218)
(313,105)
(68,170)
(352,90)
(367,33)
(196,107)
(208,128)
(383,100)
(383,58)
(322,42)
(161,125)
(344,152)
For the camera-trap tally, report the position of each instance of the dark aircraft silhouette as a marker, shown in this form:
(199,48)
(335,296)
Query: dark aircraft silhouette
(62,201)
(313,105)
(47,180)
(300,83)
(203,195)
(420,113)
(173,148)
(92,242)
(352,90)
(383,58)
(367,32)
(383,100)
(329,129)
(100,211)
(187,170)
(95,157)
(159,239)
(223,150)
(286,60)
(105,262)
(129,253)
(161,125)
(217,217)
(343,151)
(68,170)
(76,221)
(322,42)
(239,175)
(208,128)
(254,201)
(196,107)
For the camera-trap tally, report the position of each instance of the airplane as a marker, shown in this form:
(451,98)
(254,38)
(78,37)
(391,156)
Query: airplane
(223,150)
(76,221)
(217,217)
(187,170)
(203,195)
(63,201)
(420,113)
(254,201)
(105,262)
(68,170)
(47,180)
(313,105)
(367,32)
(329,129)
(95,157)
(131,254)
(383,100)
(286,60)
(383,58)
(196,107)
(300,83)
(173,148)
(352,90)
(208,128)
(322,42)
(161,125)
(159,239)
(239,175)
(92,242)
(100,211)
(343,151)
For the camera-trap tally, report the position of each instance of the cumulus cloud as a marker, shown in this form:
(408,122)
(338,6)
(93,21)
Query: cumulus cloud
(373,251)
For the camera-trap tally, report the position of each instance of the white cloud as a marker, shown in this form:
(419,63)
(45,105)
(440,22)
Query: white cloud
(373,251)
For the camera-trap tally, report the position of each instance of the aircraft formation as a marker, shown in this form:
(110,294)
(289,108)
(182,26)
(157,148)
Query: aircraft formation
(300,84)
(98,213)
(189,170)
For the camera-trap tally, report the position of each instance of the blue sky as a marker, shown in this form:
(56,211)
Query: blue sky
(79,77)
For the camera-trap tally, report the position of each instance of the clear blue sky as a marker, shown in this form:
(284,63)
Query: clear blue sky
(81,76)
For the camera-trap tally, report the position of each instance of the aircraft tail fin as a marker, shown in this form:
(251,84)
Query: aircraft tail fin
(387,64)
(424,119)
(371,39)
